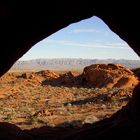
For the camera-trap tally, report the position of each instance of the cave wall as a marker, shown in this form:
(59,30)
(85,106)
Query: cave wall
(23,24)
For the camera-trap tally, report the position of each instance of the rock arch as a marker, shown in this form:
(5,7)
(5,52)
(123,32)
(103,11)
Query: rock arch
(24,24)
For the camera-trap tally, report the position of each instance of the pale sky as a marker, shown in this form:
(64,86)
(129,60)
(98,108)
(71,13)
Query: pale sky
(90,38)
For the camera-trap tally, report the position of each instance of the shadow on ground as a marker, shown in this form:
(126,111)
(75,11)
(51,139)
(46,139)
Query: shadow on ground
(78,81)
(123,124)
(98,98)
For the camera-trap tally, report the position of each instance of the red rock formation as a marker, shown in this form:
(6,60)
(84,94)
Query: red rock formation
(68,78)
(24,24)
(48,74)
(111,75)
(27,76)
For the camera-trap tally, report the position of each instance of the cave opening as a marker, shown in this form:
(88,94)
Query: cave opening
(63,101)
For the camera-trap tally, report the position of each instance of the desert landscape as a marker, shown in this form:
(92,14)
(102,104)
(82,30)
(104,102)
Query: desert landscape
(65,98)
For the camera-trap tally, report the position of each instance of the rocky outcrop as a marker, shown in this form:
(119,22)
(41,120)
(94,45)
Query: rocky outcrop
(48,74)
(27,76)
(22,27)
(68,78)
(109,76)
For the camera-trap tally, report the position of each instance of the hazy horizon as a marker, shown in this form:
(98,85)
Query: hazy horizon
(79,58)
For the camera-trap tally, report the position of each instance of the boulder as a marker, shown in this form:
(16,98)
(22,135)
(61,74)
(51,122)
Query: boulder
(109,76)
(68,78)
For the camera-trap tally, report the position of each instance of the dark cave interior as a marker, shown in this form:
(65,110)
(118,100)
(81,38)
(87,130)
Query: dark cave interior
(25,24)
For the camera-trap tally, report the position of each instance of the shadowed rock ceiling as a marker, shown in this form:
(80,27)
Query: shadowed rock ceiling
(23,24)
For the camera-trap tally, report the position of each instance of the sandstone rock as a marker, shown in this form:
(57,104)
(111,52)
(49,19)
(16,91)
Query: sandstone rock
(43,112)
(90,119)
(48,74)
(109,75)
(68,78)
(25,75)
(19,37)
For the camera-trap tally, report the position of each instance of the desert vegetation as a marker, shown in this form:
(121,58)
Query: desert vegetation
(64,99)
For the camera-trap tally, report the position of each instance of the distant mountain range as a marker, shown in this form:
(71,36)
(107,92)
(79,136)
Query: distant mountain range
(69,63)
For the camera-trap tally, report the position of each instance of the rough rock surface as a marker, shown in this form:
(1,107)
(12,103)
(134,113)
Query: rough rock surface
(22,27)
(68,78)
(109,76)
(27,76)
(48,74)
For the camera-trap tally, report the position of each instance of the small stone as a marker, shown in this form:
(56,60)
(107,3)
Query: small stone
(104,106)
(90,119)
(69,104)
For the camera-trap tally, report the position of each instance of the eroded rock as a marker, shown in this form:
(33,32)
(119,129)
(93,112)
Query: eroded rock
(109,76)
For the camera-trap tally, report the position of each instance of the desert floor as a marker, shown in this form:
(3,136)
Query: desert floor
(28,103)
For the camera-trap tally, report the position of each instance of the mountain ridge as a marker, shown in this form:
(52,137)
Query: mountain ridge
(69,63)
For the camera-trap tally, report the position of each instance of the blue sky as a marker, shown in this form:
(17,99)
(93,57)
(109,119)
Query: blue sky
(90,38)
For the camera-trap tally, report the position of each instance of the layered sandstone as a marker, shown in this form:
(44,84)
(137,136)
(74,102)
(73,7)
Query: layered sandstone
(109,76)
